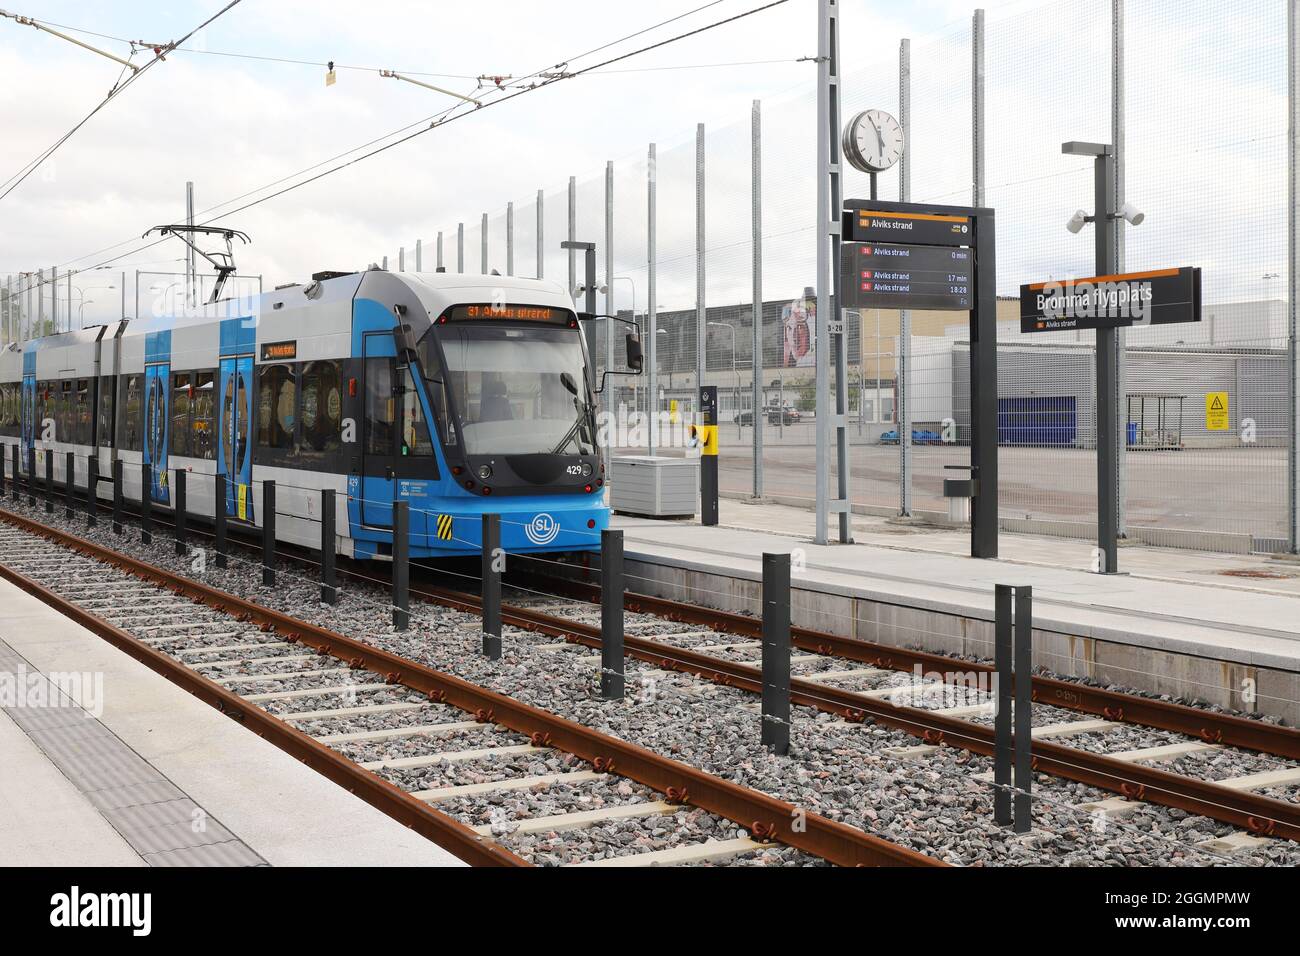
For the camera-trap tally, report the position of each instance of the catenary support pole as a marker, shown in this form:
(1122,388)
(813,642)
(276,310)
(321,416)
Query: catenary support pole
(652,317)
(701,312)
(610,324)
(1293,273)
(903,371)
(756,276)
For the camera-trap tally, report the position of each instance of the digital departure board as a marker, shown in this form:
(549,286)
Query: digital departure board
(925,228)
(880,275)
(485,312)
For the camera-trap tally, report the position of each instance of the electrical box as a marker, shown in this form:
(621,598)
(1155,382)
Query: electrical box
(654,486)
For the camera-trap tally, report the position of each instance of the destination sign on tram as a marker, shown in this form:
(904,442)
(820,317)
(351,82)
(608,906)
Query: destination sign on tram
(880,275)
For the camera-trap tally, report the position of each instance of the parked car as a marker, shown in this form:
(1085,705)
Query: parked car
(773,414)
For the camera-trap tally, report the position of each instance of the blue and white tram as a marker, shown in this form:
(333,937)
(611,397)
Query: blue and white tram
(460,395)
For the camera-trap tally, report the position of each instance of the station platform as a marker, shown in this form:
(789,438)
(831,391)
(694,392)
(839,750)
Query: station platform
(129,770)
(1223,628)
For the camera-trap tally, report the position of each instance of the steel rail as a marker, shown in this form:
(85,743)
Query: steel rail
(441,829)
(766,817)
(1258,814)
(1211,727)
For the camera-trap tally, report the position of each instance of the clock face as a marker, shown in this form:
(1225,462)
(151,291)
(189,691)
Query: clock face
(873,141)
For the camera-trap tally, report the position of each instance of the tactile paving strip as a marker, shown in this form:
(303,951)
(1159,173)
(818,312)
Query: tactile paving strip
(151,813)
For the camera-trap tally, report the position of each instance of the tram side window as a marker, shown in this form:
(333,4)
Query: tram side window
(66,431)
(42,404)
(180,430)
(381,411)
(81,410)
(277,407)
(106,411)
(435,385)
(203,432)
(415,430)
(322,408)
(9,398)
(132,426)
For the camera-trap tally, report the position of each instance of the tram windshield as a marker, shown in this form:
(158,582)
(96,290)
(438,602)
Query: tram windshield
(516,391)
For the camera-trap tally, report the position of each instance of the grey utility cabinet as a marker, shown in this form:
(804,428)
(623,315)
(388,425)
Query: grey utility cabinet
(655,486)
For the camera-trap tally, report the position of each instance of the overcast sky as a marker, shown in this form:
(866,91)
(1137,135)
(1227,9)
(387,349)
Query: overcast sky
(233,124)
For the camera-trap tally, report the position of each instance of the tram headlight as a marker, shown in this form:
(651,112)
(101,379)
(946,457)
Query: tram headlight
(586,469)
(484,472)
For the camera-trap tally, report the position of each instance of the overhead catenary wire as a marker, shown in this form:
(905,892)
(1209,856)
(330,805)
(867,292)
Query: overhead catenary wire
(17,179)
(447,116)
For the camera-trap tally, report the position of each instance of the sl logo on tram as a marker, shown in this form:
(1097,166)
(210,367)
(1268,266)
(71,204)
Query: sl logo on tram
(543,529)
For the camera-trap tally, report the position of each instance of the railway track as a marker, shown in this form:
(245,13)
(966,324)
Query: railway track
(934,722)
(380,725)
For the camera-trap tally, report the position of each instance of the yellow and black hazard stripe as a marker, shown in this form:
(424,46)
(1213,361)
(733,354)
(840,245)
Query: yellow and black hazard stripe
(444,527)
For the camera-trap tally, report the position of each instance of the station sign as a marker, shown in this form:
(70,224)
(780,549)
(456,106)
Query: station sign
(923,228)
(881,275)
(1156,297)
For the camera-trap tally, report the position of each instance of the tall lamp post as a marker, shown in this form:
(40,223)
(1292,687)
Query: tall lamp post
(1106,219)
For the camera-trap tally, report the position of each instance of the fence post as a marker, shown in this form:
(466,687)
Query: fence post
(179,487)
(1002,753)
(49,481)
(117,496)
(268,534)
(92,489)
(328,589)
(401,565)
(146,504)
(219,520)
(1024,629)
(492,586)
(31,476)
(776,653)
(13,492)
(611,614)
(70,484)
(2,475)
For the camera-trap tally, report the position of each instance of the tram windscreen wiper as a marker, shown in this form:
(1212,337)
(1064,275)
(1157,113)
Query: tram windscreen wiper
(567,381)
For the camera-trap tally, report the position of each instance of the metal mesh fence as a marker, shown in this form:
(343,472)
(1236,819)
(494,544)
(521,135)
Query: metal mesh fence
(1184,118)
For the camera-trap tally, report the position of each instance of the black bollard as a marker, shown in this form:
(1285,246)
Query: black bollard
(268,534)
(329,592)
(493,565)
(611,615)
(776,653)
(117,496)
(49,481)
(146,503)
(178,486)
(401,565)
(92,489)
(71,485)
(219,520)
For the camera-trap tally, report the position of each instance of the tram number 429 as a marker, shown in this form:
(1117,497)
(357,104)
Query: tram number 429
(574,469)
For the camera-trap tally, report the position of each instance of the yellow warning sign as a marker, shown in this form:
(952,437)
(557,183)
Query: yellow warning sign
(672,411)
(706,437)
(242,505)
(1216,411)
(444,527)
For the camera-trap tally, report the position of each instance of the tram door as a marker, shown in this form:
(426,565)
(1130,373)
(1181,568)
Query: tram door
(234,448)
(380,436)
(156,423)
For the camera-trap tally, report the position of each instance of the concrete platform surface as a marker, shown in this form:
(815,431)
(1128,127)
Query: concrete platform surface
(919,579)
(173,754)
